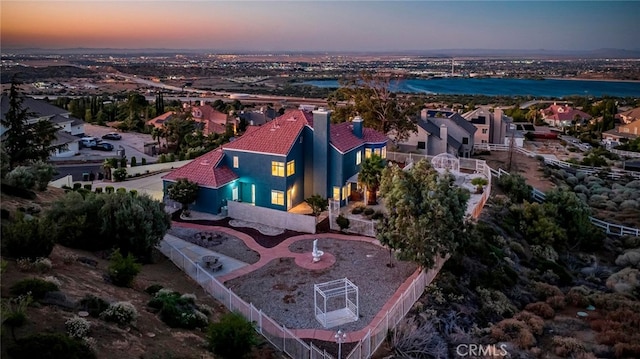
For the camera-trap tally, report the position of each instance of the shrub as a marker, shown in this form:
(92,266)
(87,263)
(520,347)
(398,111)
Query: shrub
(172,157)
(122,313)
(567,346)
(93,305)
(121,190)
(162,158)
(35,287)
(87,186)
(533,322)
(21,177)
(134,162)
(42,264)
(629,258)
(515,187)
(515,331)
(55,345)
(14,311)
(178,311)
(143,161)
(98,190)
(232,337)
(29,238)
(77,327)
(544,290)
(557,302)
(133,192)
(357,210)
(153,289)
(52,279)
(123,162)
(377,215)
(122,270)
(368,211)
(343,222)
(77,186)
(542,309)
(496,302)
(120,174)
(626,281)
(108,189)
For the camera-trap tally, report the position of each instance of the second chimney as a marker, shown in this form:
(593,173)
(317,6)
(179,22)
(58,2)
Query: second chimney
(357,126)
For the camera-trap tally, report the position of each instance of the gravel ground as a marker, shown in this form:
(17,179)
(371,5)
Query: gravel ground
(230,246)
(285,292)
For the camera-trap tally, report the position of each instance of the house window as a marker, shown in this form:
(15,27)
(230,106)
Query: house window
(465,140)
(336,193)
(235,161)
(484,131)
(383,152)
(484,141)
(277,198)
(277,169)
(344,193)
(422,145)
(367,153)
(291,168)
(358,157)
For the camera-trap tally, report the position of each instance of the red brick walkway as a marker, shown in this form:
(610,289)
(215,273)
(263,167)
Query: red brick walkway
(304,260)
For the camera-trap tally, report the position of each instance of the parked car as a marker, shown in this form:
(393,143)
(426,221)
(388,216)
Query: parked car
(112,136)
(103,146)
(88,141)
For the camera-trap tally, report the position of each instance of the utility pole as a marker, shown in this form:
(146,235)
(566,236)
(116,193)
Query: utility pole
(511,146)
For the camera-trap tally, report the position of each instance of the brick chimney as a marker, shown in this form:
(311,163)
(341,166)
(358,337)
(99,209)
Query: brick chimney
(321,133)
(357,126)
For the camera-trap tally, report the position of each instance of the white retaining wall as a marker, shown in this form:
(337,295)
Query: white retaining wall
(156,167)
(275,218)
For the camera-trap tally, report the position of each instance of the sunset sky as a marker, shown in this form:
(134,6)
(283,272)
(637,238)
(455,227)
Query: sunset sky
(321,25)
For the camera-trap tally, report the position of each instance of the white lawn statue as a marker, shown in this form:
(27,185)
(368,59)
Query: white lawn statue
(316,253)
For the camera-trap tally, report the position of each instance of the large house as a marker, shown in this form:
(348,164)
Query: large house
(281,163)
(622,133)
(440,131)
(70,128)
(630,116)
(210,120)
(563,116)
(494,127)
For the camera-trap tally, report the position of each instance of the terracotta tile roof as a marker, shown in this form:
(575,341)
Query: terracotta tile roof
(205,171)
(563,113)
(212,127)
(208,113)
(344,140)
(276,137)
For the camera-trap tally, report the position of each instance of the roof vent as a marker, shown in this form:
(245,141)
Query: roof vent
(205,162)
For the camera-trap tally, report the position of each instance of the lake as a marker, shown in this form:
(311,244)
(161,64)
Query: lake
(509,87)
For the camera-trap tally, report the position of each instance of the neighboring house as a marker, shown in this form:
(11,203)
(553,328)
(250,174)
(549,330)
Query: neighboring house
(281,163)
(481,118)
(211,120)
(563,116)
(258,117)
(622,133)
(159,121)
(440,131)
(71,128)
(630,116)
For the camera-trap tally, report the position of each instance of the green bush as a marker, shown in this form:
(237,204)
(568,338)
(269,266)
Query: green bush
(368,211)
(98,189)
(343,222)
(120,174)
(178,311)
(122,270)
(122,313)
(515,187)
(77,186)
(357,210)
(133,192)
(50,346)
(28,238)
(35,287)
(87,186)
(134,162)
(21,177)
(108,189)
(162,158)
(377,215)
(232,337)
(153,289)
(123,162)
(121,190)
(93,305)
(143,161)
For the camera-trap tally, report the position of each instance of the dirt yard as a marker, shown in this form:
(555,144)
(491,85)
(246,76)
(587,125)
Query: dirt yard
(528,167)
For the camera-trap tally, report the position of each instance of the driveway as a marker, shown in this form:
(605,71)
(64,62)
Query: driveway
(132,142)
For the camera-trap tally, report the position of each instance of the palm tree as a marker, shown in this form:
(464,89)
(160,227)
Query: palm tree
(369,176)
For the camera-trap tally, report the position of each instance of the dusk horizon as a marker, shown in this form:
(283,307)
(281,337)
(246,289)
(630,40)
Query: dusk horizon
(322,26)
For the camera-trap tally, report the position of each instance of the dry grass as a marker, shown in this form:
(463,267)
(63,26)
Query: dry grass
(513,330)
(567,346)
(542,309)
(534,322)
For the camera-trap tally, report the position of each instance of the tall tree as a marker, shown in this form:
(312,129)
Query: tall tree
(184,192)
(177,127)
(318,204)
(372,97)
(26,142)
(426,213)
(370,175)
